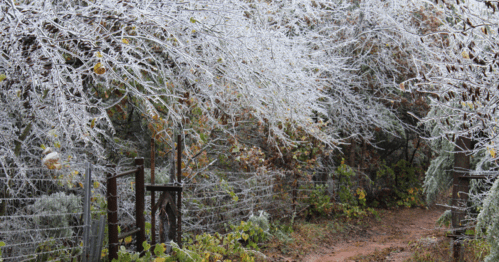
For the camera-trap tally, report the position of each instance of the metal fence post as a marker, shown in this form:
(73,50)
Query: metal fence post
(112,214)
(140,203)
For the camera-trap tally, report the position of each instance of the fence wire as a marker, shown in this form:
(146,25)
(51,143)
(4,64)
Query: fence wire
(41,213)
(222,199)
(41,210)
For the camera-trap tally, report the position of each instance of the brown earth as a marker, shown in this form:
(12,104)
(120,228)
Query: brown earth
(393,234)
(385,239)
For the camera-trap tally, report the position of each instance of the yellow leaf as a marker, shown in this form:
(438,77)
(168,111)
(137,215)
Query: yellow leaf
(159,259)
(492,152)
(465,55)
(98,54)
(128,239)
(2,77)
(125,41)
(99,69)
(92,124)
(96,184)
(81,185)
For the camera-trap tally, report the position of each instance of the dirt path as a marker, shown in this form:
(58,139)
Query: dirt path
(393,233)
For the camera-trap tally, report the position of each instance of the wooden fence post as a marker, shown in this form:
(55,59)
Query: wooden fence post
(294,193)
(140,203)
(179,193)
(153,194)
(112,214)
(460,184)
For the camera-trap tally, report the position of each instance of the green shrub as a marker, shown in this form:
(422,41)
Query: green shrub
(399,185)
(320,202)
(53,251)
(210,247)
(48,206)
(345,193)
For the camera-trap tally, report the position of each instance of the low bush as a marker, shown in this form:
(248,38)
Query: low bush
(398,185)
(234,246)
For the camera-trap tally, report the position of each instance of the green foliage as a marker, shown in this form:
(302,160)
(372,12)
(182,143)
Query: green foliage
(282,231)
(159,251)
(229,190)
(354,211)
(320,202)
(479,248)
(403,181)
(208,247)
(53,251)
(254,231)
(438,177)
(353,202)
(261,221)
(346,194)
(445,219)
(2,244)
(488,221)
(433,249)
(58,203)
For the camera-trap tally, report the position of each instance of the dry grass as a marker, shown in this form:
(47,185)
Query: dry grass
(430,249)
(313,237)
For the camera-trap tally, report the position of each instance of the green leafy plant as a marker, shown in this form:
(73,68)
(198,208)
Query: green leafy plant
(2,244)
(353,201)
(51,250)
(445,219)
(399,185)
(58,203)
(345,174)
(159,251)
(320,202)
(210,247)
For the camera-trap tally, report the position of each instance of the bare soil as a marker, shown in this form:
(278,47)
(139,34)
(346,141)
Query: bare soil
(385,239)
(391,234)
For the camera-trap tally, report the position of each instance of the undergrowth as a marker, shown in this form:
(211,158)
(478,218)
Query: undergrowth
(475,250)
(431,249)
(242,244)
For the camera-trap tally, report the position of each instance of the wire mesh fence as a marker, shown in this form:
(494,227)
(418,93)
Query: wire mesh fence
(230,197)
(42,214)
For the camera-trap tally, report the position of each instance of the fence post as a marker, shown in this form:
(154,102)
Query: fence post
(112,214)
(295,185)
(86,213)
(459,201)
(140,203)
(153,194)
(179,193)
